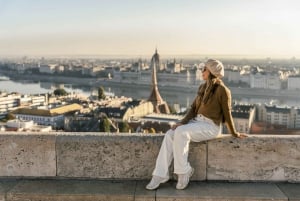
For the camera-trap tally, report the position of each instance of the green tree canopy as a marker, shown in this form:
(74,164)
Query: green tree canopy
(124,127)
(152,130)
(8,117)
(60,92)
(104,125)
(101,94)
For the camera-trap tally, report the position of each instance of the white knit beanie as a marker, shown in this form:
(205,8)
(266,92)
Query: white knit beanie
(215,67)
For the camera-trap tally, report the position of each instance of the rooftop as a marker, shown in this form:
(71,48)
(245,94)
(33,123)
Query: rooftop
(241,111)
(49,112)
(276,109)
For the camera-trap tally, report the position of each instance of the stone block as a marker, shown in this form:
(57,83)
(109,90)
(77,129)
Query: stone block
(107,156)
(72,190)
(198,160)
(141,194)
(2,191)
(256,158)
(5,186)
(292,191)
(27,155)
(203,191)
(118,156)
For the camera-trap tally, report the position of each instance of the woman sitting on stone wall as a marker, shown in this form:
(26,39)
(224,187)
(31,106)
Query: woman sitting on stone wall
(210,109)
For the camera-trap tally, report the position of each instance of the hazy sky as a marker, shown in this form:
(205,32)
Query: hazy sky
(136,27)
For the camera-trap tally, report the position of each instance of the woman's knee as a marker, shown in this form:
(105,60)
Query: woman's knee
(169,134)
(180,132)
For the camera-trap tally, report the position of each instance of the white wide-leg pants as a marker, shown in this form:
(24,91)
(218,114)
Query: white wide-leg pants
(176,145)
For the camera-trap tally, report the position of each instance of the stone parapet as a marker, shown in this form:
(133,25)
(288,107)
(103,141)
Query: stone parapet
(257,158)
(132,156)
(106,156)
(27,155)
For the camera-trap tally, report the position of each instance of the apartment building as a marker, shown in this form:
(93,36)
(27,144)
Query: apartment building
(51,117)
(293,82)
(232,75)
(288,117)
(50,69)
(8,102)
(243,117)
(265,80)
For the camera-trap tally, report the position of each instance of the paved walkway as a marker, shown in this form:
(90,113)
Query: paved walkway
(101,190)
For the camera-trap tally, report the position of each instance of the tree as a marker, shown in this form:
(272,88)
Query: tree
(101,94)
(152,130)
(60,92)
(8,117)
(124,127)
(104,125)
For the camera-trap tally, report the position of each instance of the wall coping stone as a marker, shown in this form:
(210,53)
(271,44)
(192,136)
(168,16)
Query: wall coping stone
(133,156)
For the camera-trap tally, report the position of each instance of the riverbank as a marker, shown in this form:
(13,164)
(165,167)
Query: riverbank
(173,87)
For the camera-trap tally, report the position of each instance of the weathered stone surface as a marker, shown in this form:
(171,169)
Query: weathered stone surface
(292,191)
(198,160)
(256,158)
(141,194)
(117,156)
(72,190)
(133,156)
(100,190)
(107,156)
(6,185)
(168,192)
(203,191)
(27,155)
(2,193)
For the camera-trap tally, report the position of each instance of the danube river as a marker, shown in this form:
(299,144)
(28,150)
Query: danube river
(182,98)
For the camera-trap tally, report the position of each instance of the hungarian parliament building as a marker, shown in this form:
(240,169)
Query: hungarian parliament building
(169,74)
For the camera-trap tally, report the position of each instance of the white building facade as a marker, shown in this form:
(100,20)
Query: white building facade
(50,69)
(9,102)
(284,116)
(233,76)
(293,82)
(54,121)
(265,80)
(243,117)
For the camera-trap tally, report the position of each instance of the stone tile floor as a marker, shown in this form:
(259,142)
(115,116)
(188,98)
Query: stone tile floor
(120,190)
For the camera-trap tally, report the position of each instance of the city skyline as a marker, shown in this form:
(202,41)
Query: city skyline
(131,27)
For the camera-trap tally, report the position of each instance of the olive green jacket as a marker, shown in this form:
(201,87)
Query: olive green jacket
(217,108)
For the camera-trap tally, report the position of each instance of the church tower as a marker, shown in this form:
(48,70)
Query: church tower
(160,106)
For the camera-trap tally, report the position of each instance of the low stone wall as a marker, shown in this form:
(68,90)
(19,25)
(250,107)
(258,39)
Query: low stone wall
(257,158)
(132,156)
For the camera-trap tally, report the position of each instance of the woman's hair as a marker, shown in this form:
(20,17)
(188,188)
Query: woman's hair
(211,76)
(209,88)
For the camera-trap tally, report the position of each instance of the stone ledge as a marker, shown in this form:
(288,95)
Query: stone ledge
(257,158)
(88,190)
(117,156)
(133,156)
(27,155)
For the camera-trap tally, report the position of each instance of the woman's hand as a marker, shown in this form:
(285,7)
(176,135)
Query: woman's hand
(173,127)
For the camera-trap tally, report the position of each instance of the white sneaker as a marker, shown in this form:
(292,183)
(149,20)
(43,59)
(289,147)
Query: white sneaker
(183,179)
(155,182)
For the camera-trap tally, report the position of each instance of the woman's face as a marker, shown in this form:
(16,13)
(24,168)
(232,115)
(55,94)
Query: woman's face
(205,73)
